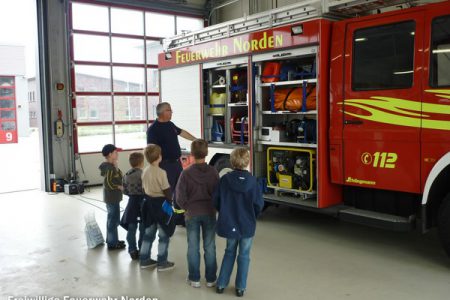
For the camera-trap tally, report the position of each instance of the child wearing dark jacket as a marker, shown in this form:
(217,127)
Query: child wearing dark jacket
(131,218)
(194,194)
(238,199)
(112,195)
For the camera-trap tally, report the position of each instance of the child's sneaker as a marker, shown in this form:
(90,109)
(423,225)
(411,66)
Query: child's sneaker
(118,246)
(166,266)
(210,284)
(195,284)
(239,293)
(134,255)
(148,263)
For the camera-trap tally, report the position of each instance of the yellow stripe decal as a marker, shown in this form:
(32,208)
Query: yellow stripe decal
(438,91)
(402,112)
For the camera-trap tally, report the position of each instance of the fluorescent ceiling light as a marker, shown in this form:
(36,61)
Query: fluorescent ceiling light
(403,72)
(360,39)
(441,50)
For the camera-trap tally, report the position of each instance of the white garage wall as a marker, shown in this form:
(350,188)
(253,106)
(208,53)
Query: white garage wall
(181,88)
(92,161)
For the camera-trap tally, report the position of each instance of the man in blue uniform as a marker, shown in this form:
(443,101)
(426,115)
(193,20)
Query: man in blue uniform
(164,133)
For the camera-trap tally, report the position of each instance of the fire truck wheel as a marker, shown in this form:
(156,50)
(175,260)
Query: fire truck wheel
(223,165)
(444,223)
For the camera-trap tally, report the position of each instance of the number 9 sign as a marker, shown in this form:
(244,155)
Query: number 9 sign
(7,137)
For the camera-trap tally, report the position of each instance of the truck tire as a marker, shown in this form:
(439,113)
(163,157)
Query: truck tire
(223,165)
(444,223)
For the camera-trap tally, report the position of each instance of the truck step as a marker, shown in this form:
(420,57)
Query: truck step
(309,203)
(377,220)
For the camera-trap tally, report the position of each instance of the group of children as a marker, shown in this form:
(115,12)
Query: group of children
(236,197)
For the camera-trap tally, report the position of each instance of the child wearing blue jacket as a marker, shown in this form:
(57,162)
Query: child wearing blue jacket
(238,199)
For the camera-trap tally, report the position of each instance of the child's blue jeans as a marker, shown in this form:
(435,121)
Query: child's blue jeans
(243,263)
(112,222)
(131,237)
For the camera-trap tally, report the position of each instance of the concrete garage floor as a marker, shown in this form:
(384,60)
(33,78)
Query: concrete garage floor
(24,173)
(296,255)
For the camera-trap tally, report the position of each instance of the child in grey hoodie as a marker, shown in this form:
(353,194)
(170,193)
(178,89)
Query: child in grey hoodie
(131,218)
(194,194)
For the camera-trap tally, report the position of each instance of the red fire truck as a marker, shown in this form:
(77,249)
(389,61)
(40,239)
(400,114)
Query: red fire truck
(348,116)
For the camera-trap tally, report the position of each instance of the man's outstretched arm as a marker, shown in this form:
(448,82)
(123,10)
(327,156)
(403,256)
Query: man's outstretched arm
(187,135)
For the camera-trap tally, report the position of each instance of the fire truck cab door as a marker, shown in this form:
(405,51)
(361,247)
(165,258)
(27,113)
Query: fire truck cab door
(382,102)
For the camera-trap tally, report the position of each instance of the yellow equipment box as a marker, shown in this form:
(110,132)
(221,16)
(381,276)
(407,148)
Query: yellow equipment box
(285,181)
(292,169)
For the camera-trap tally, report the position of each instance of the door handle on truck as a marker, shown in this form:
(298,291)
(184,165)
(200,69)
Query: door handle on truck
(353,122)
(282,54)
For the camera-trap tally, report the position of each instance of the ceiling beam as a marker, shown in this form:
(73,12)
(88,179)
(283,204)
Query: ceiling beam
(176,6)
